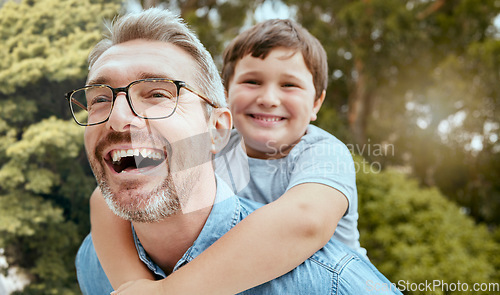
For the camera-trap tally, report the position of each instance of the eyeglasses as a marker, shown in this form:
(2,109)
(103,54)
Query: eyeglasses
(148,98)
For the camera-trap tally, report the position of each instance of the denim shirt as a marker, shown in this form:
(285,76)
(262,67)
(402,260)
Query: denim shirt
(335,269)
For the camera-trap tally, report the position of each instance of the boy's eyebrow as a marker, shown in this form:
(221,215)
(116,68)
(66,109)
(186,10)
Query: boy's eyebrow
(247,72)
(295,78)
(286,75)
(257,75)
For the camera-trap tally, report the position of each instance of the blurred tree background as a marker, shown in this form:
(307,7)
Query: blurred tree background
(413,91)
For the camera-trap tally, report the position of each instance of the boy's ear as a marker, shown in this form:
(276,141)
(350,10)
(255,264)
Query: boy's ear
(317,105)
(219,126)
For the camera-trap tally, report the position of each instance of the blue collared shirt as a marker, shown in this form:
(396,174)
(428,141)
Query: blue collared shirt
(335,269)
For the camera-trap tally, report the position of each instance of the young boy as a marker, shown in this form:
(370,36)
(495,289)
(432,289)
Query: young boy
(275,75)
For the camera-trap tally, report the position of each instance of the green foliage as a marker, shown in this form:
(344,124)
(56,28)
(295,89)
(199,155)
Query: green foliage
(416,235)
(45,181)
(39,149)
(22,213)
(41,203)
(48,40)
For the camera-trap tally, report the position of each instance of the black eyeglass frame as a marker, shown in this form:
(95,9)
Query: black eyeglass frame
(178,84)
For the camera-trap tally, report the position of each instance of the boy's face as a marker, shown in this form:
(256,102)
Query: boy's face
(272,101)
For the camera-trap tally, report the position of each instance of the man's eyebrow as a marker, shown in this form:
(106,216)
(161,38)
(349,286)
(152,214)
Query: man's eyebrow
(149,75)
(98,80)
(141,75)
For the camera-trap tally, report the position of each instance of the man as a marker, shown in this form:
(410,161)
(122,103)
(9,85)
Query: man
(155,114)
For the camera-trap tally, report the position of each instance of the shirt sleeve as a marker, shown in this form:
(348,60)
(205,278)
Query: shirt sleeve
(325,161)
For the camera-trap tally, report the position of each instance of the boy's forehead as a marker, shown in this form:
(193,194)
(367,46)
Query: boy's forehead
(282,54)
(285,52)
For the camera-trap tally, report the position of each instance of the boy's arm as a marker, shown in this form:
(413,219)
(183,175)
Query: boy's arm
(268,243)
(114,245)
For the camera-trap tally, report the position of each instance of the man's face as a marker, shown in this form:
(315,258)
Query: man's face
(170,149)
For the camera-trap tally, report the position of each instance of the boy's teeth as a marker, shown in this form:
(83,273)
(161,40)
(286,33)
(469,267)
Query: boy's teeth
(268,119)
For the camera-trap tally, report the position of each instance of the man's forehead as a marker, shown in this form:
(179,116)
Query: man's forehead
(140,59)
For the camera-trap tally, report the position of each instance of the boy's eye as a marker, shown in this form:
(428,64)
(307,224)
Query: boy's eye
(290,85)
(253,82)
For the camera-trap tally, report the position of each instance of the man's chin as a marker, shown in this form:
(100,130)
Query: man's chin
(137,205)
(124,198)
(127,206)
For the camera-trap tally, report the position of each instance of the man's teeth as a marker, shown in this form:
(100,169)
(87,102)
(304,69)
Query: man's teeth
(117,155)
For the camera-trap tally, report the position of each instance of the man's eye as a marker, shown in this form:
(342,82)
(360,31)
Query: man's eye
(100,99)
(159,94)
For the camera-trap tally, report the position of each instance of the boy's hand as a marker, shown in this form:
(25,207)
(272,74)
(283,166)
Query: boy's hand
(142,286)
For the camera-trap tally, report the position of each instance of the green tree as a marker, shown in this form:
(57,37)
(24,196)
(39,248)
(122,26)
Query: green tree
(416,235)
(45,181)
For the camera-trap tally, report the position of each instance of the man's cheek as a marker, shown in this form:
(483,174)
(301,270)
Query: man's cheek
(87,139)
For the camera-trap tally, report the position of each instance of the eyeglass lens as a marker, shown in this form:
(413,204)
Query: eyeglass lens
(149,99)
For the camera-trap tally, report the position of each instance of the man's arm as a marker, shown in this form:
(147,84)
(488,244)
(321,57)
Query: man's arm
(268,243)
(114,245)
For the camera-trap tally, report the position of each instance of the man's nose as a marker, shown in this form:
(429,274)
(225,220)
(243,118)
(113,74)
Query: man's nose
(269,98)
(122,118)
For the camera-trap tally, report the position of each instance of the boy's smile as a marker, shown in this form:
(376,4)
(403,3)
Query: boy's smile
(266,120)
(272,101)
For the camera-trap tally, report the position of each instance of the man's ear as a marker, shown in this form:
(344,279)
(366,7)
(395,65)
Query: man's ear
(220,124)
(317,105)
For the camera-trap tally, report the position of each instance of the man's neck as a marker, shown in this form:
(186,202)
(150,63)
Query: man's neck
(167,241)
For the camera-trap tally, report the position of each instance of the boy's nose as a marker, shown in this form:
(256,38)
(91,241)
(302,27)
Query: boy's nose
(270,98)
(122,118)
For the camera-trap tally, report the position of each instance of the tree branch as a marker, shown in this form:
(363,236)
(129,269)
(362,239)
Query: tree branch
(431,9)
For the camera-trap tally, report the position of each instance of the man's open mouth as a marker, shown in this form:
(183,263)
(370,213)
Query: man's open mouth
(130,159)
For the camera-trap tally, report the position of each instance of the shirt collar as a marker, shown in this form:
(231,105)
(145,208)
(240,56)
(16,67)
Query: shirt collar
(223,216)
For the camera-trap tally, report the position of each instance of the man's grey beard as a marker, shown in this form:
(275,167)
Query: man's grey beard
(170,196)
(166,200)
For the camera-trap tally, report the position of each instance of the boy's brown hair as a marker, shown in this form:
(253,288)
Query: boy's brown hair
(263,37)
